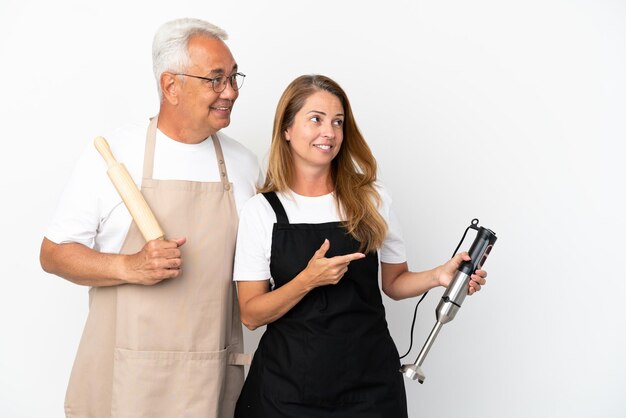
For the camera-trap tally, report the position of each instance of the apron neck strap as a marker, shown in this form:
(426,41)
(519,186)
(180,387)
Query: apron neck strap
(148,155)
(279,209)
(221,165)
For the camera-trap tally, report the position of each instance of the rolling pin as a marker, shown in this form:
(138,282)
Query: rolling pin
(130,194)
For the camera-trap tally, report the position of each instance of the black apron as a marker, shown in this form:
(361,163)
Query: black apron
(331,355)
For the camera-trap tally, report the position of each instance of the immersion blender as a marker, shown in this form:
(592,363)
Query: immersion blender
(454,295)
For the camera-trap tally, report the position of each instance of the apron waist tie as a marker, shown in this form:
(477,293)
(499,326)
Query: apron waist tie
(239,359)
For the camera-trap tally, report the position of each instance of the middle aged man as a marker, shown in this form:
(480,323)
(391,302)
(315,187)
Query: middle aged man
(161,341)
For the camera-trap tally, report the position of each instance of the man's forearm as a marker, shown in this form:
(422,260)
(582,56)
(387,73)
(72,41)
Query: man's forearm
(81,265)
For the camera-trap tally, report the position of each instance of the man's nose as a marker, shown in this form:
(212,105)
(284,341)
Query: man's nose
(229,92)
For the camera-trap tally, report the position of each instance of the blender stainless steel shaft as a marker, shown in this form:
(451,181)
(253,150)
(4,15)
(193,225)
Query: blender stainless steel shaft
(454,295)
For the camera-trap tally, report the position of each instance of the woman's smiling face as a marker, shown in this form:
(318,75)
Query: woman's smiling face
(316,134)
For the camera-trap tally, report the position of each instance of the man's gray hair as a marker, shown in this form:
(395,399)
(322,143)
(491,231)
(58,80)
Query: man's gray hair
(170,45)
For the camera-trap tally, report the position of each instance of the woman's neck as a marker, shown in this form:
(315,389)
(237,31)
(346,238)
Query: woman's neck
(312,184)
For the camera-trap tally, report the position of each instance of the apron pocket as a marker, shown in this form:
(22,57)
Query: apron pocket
(167,383)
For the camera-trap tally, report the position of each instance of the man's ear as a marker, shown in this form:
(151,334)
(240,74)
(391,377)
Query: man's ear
(170,88)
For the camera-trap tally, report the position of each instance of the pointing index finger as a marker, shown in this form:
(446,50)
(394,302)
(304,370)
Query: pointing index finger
(354,256)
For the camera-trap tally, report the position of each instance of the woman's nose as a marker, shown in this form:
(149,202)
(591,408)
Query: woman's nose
(328,130)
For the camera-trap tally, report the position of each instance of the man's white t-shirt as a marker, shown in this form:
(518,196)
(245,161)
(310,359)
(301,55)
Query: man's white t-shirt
(92,213)
(257,218)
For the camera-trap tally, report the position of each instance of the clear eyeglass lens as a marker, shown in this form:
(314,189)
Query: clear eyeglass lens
(219,84)
(236,81)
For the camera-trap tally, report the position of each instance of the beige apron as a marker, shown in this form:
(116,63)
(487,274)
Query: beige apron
(172,349)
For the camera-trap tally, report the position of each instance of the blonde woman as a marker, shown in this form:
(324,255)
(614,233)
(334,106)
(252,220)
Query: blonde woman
(308,255)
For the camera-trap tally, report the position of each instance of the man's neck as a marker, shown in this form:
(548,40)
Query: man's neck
(175,127)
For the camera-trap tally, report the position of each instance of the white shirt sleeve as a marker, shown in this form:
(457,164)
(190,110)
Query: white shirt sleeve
(393,250)
(254,240)
(78,213)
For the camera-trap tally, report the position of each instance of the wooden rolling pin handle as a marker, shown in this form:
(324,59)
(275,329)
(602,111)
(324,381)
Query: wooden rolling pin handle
(103,148)
(130,193)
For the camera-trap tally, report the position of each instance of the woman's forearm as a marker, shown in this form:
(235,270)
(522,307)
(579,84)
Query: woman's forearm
(259,306)
(400,283)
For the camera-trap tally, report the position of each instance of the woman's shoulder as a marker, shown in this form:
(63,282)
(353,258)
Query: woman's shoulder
(258,201)
(258,208)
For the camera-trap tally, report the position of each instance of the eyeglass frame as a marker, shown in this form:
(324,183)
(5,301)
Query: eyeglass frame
(231,78)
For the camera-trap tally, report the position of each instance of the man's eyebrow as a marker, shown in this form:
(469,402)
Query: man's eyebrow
(220,71)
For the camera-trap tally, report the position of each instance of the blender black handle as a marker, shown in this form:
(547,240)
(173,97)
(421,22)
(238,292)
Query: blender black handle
(479,251)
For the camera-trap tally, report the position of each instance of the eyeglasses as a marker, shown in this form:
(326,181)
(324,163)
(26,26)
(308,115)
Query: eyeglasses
(219,83)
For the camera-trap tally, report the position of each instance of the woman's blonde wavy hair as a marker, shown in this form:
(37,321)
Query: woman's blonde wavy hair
(353,170)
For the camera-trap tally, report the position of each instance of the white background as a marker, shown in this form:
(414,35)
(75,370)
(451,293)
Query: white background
(512,112)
